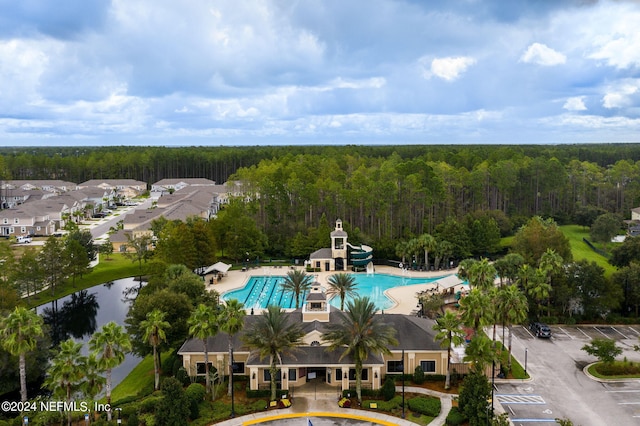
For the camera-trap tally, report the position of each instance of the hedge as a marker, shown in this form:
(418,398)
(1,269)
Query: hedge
(425,405)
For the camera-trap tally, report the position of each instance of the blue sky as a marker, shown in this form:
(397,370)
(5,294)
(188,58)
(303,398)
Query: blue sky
(228,72)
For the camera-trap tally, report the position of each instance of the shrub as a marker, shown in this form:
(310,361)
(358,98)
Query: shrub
(418,376)
(388,389)
(182,376)
(148,419)
(149,405)
(177,365)
(258,393)
(425,405)
(195,393)
(455,417)
(132,420)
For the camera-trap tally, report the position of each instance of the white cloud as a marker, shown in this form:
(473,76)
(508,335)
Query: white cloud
(449,68)
(618,39)
(620,97)
(575,104)
(538,53)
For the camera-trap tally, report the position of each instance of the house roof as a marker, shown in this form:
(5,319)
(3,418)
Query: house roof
(323,253)
(413,333)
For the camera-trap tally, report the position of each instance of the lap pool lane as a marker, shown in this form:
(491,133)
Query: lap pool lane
(560,389)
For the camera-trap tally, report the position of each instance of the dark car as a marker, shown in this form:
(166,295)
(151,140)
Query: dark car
(540,329)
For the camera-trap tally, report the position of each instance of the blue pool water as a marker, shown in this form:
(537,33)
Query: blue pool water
(262,291)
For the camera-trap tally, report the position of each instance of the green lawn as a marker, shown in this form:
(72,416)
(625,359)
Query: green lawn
(114,268)
(580,250)
(138,381)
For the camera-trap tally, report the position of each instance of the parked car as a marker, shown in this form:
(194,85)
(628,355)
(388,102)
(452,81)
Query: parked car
(23,239)
(99,215)
(540,329)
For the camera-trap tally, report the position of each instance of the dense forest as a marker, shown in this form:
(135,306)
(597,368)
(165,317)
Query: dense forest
(383,193)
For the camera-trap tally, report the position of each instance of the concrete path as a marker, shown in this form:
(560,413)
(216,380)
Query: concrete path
(321,407)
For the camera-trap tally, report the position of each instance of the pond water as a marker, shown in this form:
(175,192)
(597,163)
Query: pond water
(80,314)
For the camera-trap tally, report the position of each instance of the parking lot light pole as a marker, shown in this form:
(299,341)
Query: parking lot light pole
(525,361)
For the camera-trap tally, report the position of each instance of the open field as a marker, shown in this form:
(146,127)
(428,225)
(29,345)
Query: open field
(580,250)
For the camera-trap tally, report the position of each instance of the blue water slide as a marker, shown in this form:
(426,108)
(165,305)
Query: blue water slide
(360,255)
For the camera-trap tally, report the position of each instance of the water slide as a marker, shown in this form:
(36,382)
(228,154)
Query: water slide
(360,255)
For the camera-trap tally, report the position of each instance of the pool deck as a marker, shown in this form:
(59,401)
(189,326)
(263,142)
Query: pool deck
(405,297)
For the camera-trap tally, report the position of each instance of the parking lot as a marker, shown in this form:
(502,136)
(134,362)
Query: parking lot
(559,388)
(620,333)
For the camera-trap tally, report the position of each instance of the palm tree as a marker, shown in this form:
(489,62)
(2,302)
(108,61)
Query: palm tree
(155,333)
(427,243)
(477,310)
(359,332)
(297,282)
(449,333)
(204,323)
(512,307)
(231,322)
(93,381)
(482,274)
(109,345)
(66,371)
(508,266)
(273,335)
(537,288)
(402,250)
(551,264)
(342,285)
(19,331)
(480,352)
(463,268)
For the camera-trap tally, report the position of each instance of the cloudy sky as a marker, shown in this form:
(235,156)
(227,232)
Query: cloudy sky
(229,72)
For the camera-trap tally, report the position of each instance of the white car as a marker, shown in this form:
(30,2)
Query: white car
(23,239)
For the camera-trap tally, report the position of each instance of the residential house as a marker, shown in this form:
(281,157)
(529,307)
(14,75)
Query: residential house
(26,219)
(168,186)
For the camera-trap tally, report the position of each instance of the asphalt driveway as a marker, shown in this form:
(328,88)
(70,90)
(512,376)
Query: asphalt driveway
(559,388)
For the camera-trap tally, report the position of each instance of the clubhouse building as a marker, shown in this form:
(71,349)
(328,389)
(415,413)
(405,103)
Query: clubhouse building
(313,361)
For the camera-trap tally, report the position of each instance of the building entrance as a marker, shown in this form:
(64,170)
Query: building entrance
(317,373)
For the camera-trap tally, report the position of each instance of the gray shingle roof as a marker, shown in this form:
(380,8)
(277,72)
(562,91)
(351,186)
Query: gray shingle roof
(413,333)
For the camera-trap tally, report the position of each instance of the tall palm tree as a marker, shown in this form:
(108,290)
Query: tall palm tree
(297,282)
(204,323)
(155,333)
(508,266)
(551,264)
(66,371)
(428,243)
(481,274)
(273,335)
(359,332)
(512,307)
(476,310)
(402,250)
(19,331)
(463,268)
(342,285)
(231,322)
(109,346)
(449,333)
(480,352)
(93,382)
(537,288)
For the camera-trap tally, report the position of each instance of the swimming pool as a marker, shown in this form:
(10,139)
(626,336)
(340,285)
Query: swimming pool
(262,291)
